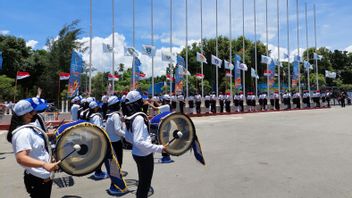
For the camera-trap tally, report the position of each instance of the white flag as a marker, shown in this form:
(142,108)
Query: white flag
(329,74)
(228,65)
(130,51)
(266,60)
(254,74)
(149,50)
(201,58)
(167,57)
(216,61)
(317,57)
(243,67)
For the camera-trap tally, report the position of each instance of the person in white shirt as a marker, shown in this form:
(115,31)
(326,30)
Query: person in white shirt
(198,99)
(191,104)
(31,147)
(181,100)
(221,102)
(213,100)
(142,149)
(207,103)
(74,109)
(228,103)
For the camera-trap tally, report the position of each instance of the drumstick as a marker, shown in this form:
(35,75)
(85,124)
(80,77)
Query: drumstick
(177,134)
(76,147)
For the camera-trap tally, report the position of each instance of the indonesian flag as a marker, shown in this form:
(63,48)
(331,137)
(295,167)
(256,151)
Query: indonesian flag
(22,75)
(142,75)
(199,76)
(64,76)
(113,77)
(228,74)
(168,77)
(267,73)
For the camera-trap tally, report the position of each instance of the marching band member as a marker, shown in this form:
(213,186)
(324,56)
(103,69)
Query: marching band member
(75,107)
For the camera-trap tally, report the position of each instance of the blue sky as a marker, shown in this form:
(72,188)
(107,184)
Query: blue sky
(37,20)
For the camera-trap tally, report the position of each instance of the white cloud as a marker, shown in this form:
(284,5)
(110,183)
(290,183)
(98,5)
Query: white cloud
(275,51)
(4,32)
(31,43)
(103,61)
(349,48)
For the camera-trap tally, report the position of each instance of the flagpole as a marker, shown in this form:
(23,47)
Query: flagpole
(230,31)
(316,51)
(299,69)
(133,43)
(171,70)
(267,45)
(201,43)
(152,37)
(278,44)
(288,47)
(255,48)
(90,48)
(113,44)
(217,52)
(244,53)
(58,94)
(308,72)
(187,48)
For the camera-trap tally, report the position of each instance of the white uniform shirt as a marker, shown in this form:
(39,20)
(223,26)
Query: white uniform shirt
(296,95)
(74,112)
(198,98)
(28,139)
(262,96)
(207,97)
(140,139)
(114,127)
(96,119)
(181,98)
(241,97)
(221,97)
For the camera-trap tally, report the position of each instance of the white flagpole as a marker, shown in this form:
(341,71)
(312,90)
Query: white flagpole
(244,53)
(316,50)
(90,47)
(230,31)
(308,72)
(201,42)
(133,42)
(113,44)
(187,48)
(255,47)
(267,45)
(278,44)
(152,37)
(171,70)
(217,51)
(299,69)
(288,47)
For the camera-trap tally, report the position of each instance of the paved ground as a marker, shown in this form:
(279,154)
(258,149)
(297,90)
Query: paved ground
(268,155)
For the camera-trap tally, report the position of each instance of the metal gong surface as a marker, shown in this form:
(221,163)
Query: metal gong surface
(169,126)
(93,143)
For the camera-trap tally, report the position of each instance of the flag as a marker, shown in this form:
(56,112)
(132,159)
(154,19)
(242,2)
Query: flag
(179,78)
(168,77)
(76,68)
(201,58)
(198,154)
(107,48)
(22,75)
(180,61)
(237,75)
(136,63)
(317,57)
(237,58)
(286,56)
(149,50)
(167,57)
(329,74)
(243,67)
(254,74)
(199,76)
(64,76)
(307,65)
(228,65)
(130,51)
(228,73)
(216,61)
(298,58)
(266,60)
(113,77)
(1,60)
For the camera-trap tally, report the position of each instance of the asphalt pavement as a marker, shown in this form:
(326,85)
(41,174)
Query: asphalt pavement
(259,155)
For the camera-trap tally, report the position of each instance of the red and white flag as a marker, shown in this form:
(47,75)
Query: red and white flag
(228,74)
(22,75)
(113,77)
(168,77)
(64,76)
(199,76)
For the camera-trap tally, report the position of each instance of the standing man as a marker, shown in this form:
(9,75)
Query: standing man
(104,107)
(306,99)
(236,98)
(74,109)
(296,99)
(191,103)
(198,99)
(213,100)
(181,100)
(221,102)
(207,103)
(240,101)
(228,103)
(277,100)
(328,97)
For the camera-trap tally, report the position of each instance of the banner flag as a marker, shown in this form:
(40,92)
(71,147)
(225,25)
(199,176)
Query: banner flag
(298,58)
(76,69)
(199,76)
(149,50)
(237,58)
(237,75)
(216,61)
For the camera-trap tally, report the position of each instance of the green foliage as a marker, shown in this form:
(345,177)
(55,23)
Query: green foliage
(6,88)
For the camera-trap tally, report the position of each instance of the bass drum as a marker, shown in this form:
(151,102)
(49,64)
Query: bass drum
(93,142)
(169,126)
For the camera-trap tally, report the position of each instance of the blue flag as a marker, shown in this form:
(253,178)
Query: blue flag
(237,58)
(198,154)
(76,69)
(180,61)
(1,60)
(295,70)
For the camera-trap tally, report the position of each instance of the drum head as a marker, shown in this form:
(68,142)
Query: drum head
(170,126)
(93,143)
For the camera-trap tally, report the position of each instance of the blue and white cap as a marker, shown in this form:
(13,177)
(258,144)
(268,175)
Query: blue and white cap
(90,99)
(28,105)
(113,100)
(83,100)
(76,99)
(93,105)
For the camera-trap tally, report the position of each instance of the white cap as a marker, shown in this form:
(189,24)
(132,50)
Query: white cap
(75,99)
(113,100)
(133,96)
(22,107)
(166,97)
(93,105)
(83,100)
(90,99)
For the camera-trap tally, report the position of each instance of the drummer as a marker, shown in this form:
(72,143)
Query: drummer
(143,149)
(31,149)
(96,118)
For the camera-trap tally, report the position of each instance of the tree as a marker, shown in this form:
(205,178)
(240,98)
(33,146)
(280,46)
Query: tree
(6,88)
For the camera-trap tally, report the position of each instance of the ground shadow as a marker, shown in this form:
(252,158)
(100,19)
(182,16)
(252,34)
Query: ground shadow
(133,184)
(64,182)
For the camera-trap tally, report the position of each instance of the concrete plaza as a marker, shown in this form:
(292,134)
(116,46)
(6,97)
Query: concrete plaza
(258,155)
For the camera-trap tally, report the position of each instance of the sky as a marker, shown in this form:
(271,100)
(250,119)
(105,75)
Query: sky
(38,20)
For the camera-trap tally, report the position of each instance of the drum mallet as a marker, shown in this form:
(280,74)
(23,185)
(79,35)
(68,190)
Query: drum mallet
(76,147)
(177,135)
